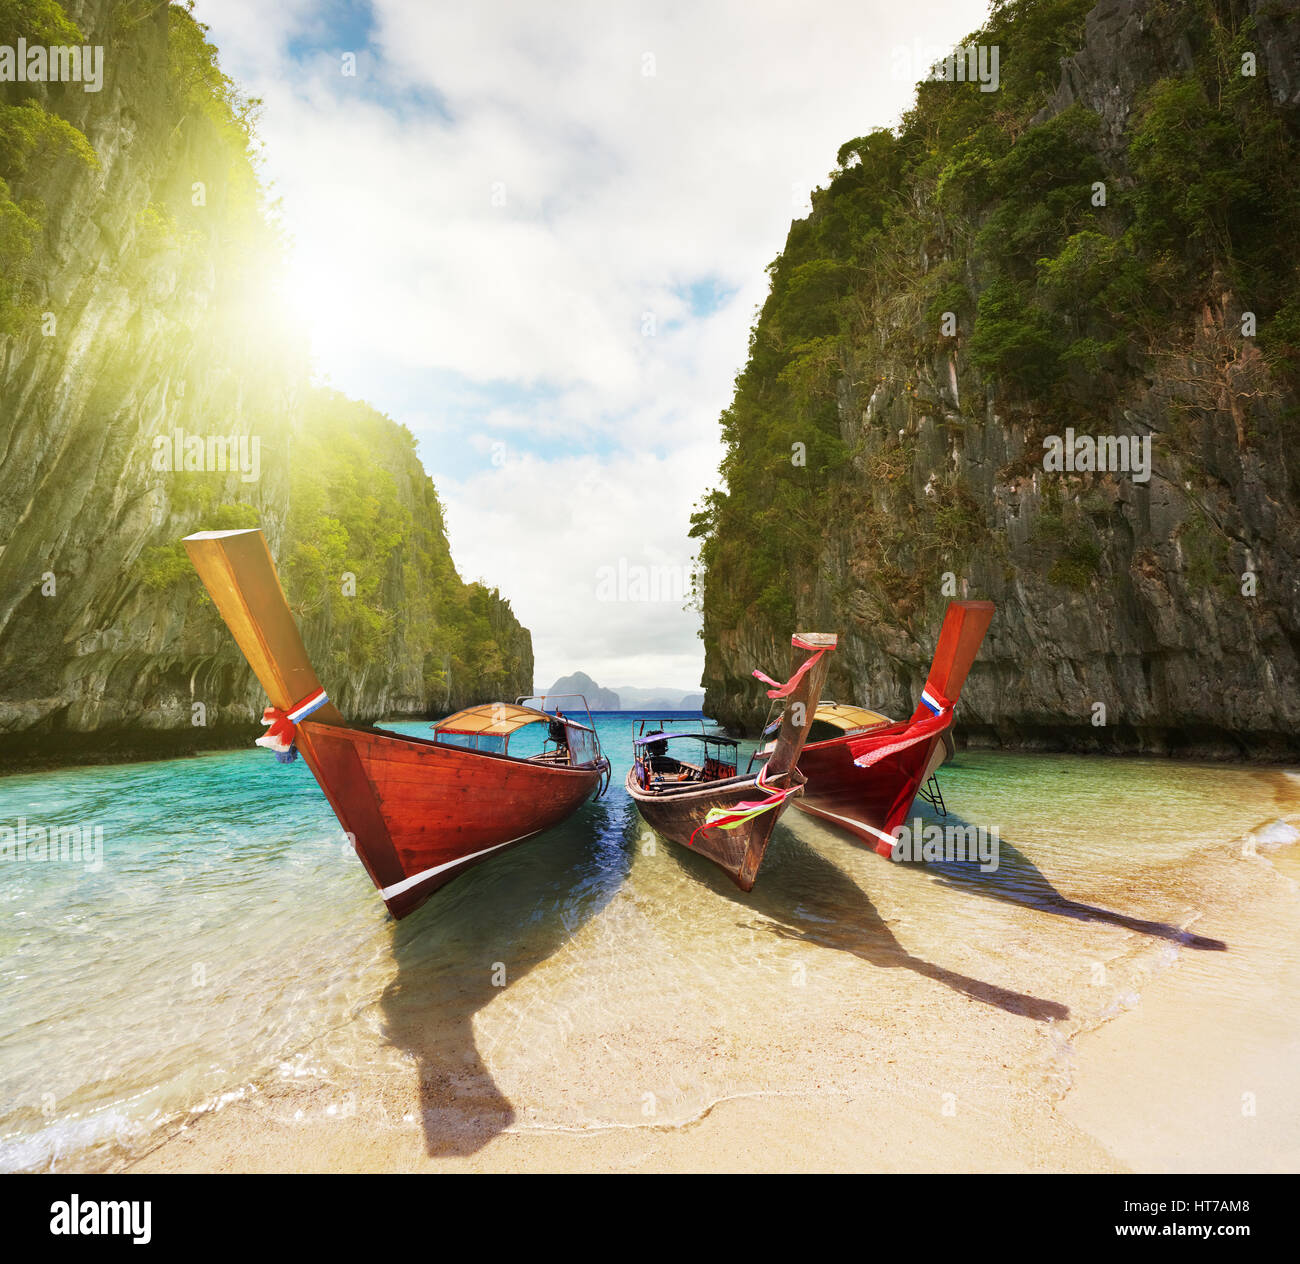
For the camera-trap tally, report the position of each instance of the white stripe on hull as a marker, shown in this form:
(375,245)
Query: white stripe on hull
(849,820)
(407,883)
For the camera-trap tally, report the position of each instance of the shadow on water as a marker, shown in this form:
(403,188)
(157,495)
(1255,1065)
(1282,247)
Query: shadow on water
(1017,880)
(805,897)
(474,940)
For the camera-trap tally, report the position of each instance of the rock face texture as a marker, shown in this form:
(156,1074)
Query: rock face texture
(1172,601)
(144,318)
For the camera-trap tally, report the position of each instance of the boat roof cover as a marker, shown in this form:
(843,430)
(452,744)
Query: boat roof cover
(495,718)
(847,717)
(699,737)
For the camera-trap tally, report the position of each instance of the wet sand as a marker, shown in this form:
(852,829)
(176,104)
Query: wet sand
(1197,1076)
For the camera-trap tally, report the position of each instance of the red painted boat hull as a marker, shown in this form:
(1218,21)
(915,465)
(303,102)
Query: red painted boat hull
(420,812)
(872,802)
(862,800)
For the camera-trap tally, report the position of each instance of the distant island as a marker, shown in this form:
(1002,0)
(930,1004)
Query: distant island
(659,699)
(627,697)
(598,699)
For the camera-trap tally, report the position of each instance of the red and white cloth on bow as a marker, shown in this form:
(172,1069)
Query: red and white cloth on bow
(279,736)
(871,748)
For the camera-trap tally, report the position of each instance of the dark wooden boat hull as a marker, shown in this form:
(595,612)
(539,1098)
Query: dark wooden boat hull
(421,813)
(678,815)
(678,811)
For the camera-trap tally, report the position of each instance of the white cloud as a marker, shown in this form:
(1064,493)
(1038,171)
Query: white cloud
(621,189)
(557,535)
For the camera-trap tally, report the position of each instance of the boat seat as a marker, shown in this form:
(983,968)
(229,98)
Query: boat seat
(550,757)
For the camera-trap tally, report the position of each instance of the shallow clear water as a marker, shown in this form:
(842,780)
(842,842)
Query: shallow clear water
(229,938)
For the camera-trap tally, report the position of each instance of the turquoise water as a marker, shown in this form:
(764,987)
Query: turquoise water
(213,926)
(225,937)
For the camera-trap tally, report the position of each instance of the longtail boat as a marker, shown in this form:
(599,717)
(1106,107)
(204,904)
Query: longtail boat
(702,803)
(864,771)
(419,811)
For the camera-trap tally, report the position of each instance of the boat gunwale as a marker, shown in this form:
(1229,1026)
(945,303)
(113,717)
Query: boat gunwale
(879,730)
(687,789)
(582,770)
(661,736)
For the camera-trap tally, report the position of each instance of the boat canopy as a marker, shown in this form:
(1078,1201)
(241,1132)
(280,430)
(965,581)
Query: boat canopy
(553,708)
(699,737)
(490,727)
(495,719)
(849,718)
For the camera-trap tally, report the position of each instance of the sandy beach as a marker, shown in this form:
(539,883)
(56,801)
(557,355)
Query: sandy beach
(882,1059)
(614,588)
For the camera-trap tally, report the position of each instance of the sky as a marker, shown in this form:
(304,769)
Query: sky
(536,233)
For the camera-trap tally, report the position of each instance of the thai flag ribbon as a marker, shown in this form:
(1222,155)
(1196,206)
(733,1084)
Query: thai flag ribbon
(871,748)
(279,736)
(738,813)
(785,690)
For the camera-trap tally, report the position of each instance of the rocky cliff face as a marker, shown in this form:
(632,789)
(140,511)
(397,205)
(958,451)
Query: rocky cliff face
(959,298)
(141,318)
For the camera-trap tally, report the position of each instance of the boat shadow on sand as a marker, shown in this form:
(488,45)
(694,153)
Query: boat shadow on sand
(1017,880)
(471,943)
(803,896)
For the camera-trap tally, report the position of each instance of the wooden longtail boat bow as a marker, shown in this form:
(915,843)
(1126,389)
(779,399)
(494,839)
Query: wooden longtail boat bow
(419,811)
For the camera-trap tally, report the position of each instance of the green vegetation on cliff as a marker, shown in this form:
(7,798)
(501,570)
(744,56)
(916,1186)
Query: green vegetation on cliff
(365,552)
(1024,261)
(166,319)
(29,134)
(365,559)
(350,515)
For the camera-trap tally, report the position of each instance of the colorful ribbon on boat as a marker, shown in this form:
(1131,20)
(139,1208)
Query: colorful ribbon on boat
(785,690)
(279,737)
(739,813)
(918,731)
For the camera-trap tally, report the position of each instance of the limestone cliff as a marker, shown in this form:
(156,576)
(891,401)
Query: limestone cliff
(1105,244)
(137,313)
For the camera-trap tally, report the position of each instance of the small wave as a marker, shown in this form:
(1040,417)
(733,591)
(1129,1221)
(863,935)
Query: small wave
(69,1138)
(1274,835)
